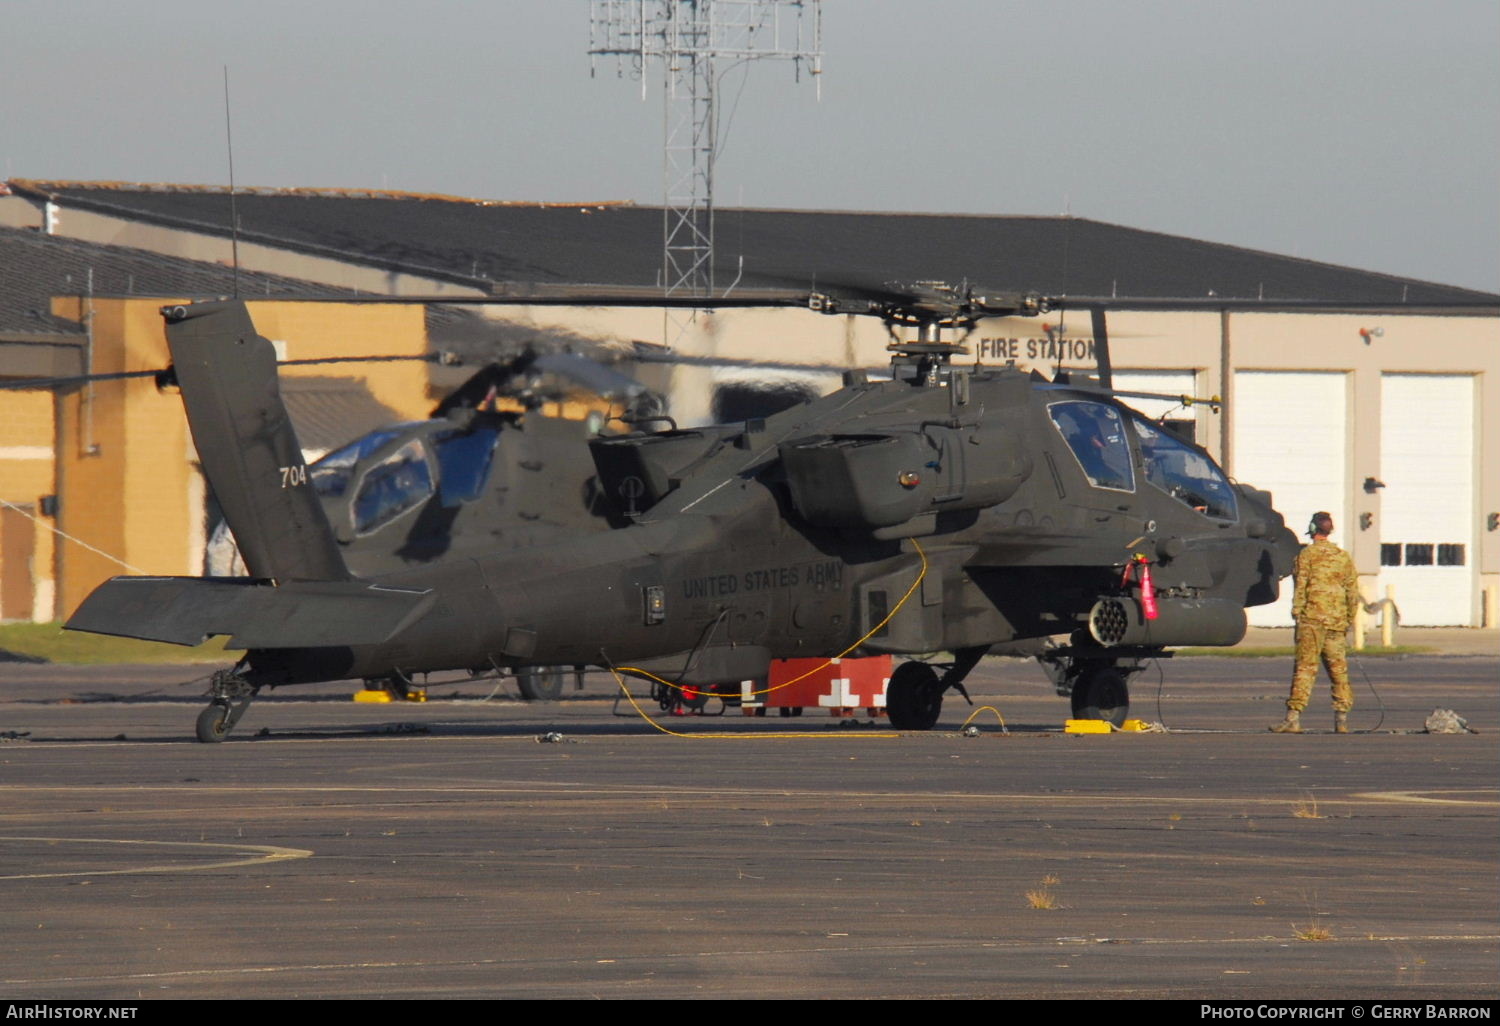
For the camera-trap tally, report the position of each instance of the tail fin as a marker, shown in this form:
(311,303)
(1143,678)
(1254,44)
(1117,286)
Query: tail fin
(246,443)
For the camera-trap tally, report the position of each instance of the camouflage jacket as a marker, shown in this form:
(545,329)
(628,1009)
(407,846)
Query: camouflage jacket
(1327,587)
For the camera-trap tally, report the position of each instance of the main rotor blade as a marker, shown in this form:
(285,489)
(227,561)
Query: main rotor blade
(733,362)
(1218,303)
(164,374)
(918,302)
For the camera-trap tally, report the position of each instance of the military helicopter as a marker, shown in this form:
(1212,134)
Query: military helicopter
(947,509)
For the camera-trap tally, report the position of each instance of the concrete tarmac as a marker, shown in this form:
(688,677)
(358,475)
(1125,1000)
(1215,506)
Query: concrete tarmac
(1435,640)
(334,849)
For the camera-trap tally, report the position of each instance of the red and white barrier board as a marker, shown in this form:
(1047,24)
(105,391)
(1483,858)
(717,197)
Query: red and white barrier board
(839,685)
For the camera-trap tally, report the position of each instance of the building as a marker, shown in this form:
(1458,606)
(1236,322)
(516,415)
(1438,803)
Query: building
(1383,413)
(101,479)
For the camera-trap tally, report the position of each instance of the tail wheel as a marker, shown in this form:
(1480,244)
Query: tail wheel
(1102,694)
(914,698)
(213,723)
(541,683)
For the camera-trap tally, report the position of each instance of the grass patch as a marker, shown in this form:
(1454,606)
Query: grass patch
(1287,651)
(1311,932)
(1041,898)
(49,643)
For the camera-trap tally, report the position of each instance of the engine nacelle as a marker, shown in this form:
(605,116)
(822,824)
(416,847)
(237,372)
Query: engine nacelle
(881,479)
(637,471)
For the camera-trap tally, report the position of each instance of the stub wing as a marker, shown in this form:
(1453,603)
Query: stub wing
(256,614)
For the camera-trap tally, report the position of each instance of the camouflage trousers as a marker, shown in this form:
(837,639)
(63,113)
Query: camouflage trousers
(1315,641)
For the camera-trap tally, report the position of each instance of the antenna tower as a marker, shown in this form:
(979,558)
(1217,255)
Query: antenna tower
(696,42)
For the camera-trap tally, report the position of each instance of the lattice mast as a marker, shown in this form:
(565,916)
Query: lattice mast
(696,42)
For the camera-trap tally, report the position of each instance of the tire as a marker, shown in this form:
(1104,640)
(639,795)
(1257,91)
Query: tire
(211,728)
(1102,694)
(914,698)
(541,683)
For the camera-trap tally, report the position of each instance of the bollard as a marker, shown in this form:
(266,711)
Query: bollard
(1361,621)
(1388,618)
(1490,604)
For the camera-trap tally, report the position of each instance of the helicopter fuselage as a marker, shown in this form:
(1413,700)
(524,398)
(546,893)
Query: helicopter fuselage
(958,511)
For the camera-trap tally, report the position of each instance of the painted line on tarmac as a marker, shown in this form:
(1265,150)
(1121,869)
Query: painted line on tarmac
(266,854)
(656,958)
(1421,797)
(562,789)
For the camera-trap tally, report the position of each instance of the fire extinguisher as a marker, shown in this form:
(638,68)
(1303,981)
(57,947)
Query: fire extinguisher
(1140,567)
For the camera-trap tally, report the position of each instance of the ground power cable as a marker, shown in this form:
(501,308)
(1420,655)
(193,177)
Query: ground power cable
(620,681)
(1161,683)
(986,708)
(1379,702)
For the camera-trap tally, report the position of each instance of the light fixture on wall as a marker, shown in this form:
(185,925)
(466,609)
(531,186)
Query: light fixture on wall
(1494,521)
(1369,333)
(1373,485)
(1366,521)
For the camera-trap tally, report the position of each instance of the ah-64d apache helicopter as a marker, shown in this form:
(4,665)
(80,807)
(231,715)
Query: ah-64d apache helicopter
(947,509)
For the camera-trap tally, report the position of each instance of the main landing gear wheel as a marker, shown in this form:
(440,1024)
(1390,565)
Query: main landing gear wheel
(914,698)
(541,683)
(1102,694)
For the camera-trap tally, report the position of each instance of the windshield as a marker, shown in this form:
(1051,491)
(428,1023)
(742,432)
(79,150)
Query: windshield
(1097,437)
(330,475)
(1184,473)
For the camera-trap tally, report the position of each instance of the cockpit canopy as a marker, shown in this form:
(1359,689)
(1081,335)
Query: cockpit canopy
(1097,435)
(391,471)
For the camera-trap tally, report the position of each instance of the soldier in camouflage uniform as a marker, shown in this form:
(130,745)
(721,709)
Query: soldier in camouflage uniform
(1324,602)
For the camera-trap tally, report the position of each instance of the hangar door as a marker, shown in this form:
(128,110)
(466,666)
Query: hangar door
(1290,437)
(1426,517)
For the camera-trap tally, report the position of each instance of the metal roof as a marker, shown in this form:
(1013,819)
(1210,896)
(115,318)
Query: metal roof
(477,242)
(34,267)
(327,412)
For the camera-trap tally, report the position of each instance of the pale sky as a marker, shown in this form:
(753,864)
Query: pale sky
(1358,132)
